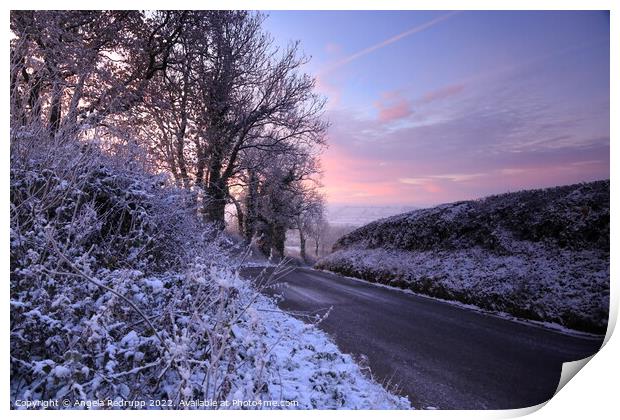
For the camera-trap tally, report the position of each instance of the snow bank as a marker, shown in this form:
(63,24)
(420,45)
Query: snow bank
(541,255)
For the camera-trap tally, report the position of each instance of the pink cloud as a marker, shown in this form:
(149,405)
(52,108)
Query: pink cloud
(392,107)
(462,158)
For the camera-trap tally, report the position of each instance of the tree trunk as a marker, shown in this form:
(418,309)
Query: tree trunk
(34,100)
(17,66)
(250,205)
(302,245)
(240,216)
(216,195)
(263,234)
(278,237)
(215,204)
(180,155)
(55,109)
(302,240)
(200,165)
(70,119)
(180,146)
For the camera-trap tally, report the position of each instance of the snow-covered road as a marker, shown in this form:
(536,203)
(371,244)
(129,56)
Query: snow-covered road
(441,355)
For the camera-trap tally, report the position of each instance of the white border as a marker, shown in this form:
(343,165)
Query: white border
(592,394)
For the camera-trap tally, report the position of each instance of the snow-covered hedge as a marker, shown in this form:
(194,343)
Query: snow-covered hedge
(121,297)
(541,254)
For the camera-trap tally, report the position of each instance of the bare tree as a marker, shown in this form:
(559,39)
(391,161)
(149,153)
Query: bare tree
(310,209)
(252,97)
(286,193)
(317,228)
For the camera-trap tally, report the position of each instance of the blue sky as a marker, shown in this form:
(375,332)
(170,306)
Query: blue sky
(436,106)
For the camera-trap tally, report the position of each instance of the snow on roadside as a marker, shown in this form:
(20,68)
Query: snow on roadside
(503,315)
(541,255)
(306,367)
(531,284)
(284,363)
(250,354)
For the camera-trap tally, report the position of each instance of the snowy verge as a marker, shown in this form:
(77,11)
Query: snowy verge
(503,315)
(564,287)
(238,352)
(307,367)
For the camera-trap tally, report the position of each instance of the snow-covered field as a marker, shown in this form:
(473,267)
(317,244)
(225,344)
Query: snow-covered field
(540,255)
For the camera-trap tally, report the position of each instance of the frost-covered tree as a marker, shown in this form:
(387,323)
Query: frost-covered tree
(227,96)
(71,70)
(286,193)
(255,97)
(309,212)
(119,291)
(317,228)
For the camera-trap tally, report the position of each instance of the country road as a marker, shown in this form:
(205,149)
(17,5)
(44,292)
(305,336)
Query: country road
(441,355)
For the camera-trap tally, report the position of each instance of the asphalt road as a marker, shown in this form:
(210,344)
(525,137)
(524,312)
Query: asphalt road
(441,355)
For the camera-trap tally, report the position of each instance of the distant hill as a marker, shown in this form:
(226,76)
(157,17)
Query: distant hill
(357,215)
(538,254)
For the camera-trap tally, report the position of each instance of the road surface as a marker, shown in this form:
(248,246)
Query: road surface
(441,355)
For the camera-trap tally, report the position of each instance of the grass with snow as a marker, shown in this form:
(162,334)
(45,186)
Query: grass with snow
(541,255)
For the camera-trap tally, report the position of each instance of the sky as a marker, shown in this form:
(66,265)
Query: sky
(430,107)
